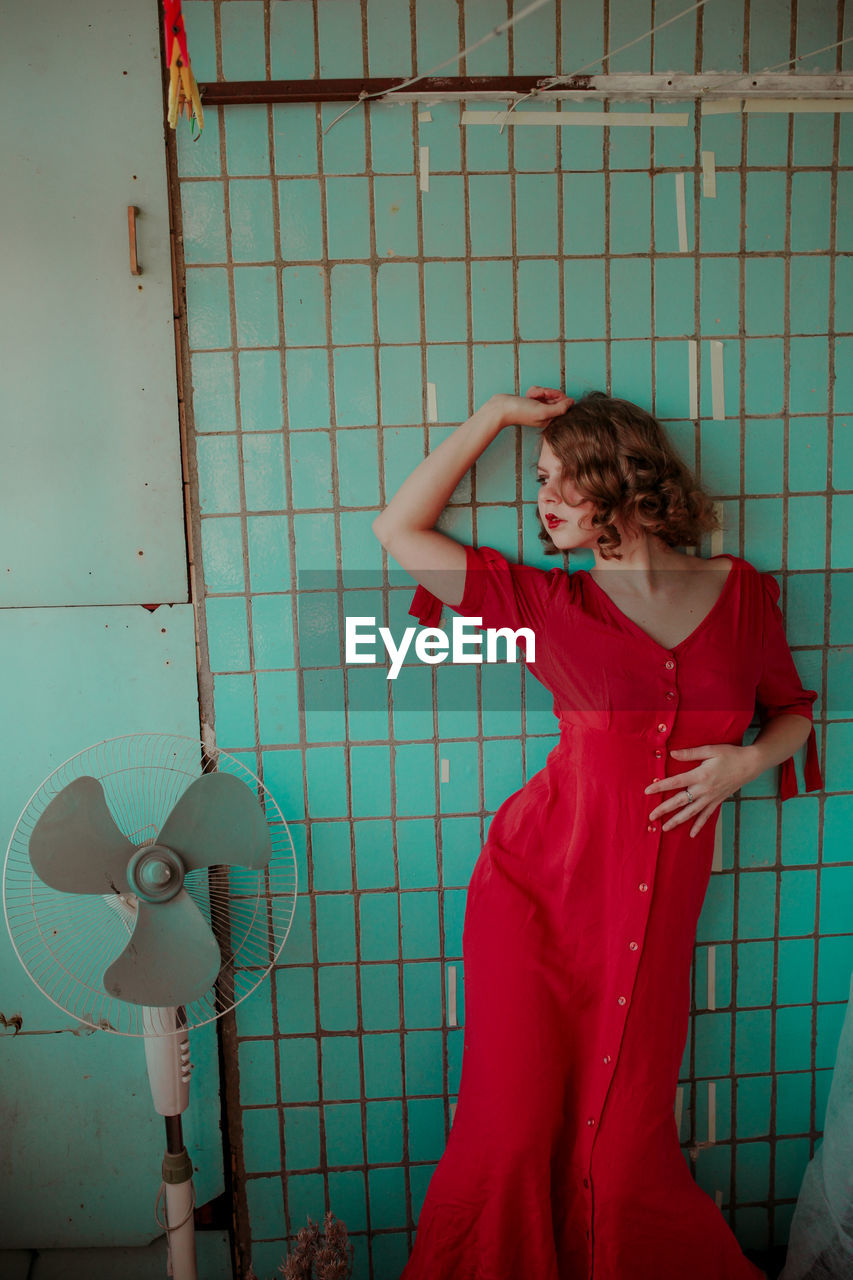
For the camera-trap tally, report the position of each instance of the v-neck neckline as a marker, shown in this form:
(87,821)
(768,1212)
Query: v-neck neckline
(699,627)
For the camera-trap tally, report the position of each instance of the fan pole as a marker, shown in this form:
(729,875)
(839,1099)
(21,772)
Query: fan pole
(167,1053)
(180,1203)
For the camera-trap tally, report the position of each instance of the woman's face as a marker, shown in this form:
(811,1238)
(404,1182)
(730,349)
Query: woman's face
(564,512)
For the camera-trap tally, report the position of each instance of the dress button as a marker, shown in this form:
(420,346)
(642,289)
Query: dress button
(669,664)
(655,779)
(632,946)
(669,695)
(590,1121)
(658,753)
(652,826)
(643,887)
(586,1182)
(661,728)
(606,1059)
(621,1000)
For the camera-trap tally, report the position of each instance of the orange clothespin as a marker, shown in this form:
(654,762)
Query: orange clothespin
(183,90)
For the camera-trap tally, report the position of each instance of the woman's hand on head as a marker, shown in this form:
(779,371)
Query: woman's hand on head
(536,409)
(549,395)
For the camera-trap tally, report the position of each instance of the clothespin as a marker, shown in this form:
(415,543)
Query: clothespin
(183,90)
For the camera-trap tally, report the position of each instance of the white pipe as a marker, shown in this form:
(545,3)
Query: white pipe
(181,1237)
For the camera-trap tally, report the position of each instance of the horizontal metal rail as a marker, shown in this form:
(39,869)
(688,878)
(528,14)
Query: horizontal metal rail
(667,86)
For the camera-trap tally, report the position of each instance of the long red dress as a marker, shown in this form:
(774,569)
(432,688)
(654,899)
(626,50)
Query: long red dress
(563,1161)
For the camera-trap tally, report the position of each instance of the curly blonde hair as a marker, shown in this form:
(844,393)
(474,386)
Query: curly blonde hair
(620,458)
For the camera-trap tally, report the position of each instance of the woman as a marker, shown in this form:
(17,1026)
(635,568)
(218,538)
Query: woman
(563,1162)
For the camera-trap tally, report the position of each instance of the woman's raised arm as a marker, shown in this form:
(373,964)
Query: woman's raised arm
(406,526)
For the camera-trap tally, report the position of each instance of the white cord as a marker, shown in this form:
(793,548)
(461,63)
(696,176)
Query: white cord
(814,53)
(456,57)
(552,81)
(549,84)
(165,1226)
(611,53)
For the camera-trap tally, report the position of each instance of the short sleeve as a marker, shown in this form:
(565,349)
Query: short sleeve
(503,594)
(780,690)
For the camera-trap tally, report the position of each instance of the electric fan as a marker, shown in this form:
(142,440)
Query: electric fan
(149,886)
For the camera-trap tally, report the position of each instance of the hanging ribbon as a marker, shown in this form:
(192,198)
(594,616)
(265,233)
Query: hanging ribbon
(183,90)
(426,607)
(812,776)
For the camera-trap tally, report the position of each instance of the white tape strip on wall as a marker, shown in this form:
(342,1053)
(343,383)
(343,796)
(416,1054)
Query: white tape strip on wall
(712,1111)
(693,376)
(645,120)
(828,106)
(722,107)
(712,977)
(718,390)
(734,106)
(716,536)
(451,996)
(709,175)
(717,861)
(681,212)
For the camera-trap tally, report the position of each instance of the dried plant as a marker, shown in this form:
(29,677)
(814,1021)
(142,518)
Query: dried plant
(313,1257)
(334,1259)
(300,1259)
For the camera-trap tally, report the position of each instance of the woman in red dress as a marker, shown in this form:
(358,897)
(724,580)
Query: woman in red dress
(563,1161)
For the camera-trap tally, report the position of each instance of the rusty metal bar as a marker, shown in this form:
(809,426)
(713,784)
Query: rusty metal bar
(242,92)
(674,86)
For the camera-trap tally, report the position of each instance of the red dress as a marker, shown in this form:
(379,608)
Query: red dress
(563,1161)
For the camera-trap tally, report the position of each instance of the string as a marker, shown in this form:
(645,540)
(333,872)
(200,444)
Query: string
(791,62)
(552,81)
(456,57)
(611,53)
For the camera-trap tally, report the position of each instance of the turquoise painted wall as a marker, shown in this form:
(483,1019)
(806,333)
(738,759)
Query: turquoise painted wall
(91,505)
(325,291)
(81,1164)
(92,528)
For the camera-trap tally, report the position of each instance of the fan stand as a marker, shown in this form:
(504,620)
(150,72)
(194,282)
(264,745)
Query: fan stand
(167,1055)
(199,841)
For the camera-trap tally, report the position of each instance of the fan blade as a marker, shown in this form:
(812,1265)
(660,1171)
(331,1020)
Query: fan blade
(171,959)
(218,822)
(76,846)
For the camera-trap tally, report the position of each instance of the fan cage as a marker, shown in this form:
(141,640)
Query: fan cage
(66,941)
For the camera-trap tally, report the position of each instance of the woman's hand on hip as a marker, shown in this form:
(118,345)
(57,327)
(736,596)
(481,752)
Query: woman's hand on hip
(536,409)
(721,769)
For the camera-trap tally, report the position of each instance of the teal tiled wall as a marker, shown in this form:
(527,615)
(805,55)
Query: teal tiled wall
(325,291)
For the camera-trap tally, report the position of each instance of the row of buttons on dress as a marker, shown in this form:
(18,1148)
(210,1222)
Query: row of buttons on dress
(643,886)
(663,727)
(621,1001)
